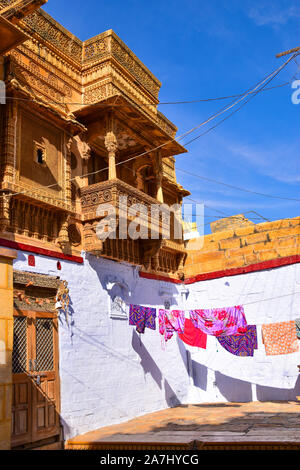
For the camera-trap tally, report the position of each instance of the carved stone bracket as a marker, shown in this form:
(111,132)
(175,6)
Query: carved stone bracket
(63,235)
(91,242)
(4,212)
(151,251)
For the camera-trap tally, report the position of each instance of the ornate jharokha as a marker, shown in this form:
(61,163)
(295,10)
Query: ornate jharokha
(67,168)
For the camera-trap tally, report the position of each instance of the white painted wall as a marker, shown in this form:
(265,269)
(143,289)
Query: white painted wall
(110,374)
(267,296)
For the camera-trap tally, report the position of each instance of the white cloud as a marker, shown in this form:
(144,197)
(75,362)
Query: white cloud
(273,14)
(280,162)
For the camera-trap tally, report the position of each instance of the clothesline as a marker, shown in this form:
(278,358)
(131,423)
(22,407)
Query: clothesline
(253,302)
(227,324)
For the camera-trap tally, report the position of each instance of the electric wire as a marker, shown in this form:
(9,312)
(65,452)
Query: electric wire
(236,187)
(224,109)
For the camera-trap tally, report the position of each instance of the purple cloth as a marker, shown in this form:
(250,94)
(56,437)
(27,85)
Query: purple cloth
(171,321)
(142,317)
(220,321)
(240,345)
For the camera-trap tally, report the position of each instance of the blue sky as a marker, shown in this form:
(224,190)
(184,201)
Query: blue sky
(201,49)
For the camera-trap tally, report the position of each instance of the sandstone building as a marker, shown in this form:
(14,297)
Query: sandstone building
(81,128)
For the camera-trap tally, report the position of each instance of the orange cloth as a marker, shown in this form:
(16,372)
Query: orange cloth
(280,338)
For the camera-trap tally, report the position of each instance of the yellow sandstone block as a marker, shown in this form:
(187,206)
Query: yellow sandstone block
(209,256)
(266,255)
(258,247)
(236,262)
(284,232)
(265,226)
(251,259)
(245,250)
(3,274)
(255,238)
(210,246)
(3,332)
(211,266)
(192,270)
(294,222)
(6,273)
(6,302)
(217,236)
(230,243)
(286,241)
(202,244)
(240,231)
(288,251)
(9,334)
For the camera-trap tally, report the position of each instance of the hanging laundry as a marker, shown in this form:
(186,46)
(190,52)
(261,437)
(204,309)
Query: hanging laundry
(220,321)
(193,336)
(242,344)
(297,321)
(280,338)
(142,317)
(170,321)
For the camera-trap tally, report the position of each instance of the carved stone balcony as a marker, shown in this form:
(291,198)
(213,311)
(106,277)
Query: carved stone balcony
(154,253)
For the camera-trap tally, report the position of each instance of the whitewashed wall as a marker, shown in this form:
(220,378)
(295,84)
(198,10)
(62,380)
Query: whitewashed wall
(267,296)
(110,374)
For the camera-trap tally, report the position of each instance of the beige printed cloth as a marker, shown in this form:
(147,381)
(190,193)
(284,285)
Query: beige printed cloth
(280,338)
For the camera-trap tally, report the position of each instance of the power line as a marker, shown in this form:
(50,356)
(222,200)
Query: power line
(224,109)
(237,187)
(236,110)
(203,100)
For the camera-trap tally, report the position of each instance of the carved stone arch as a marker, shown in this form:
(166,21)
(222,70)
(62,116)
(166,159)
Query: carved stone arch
(146,179)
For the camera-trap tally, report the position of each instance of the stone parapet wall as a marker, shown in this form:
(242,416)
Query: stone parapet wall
(243,246)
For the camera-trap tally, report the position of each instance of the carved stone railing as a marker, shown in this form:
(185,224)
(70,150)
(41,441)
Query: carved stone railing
(110,192)
(159,253)
(108,44)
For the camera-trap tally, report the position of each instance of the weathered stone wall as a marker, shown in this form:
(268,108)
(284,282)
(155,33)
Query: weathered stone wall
(243,246)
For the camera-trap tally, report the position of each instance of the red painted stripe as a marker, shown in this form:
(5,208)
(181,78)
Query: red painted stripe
(39,251)
(156,277)
(274,263)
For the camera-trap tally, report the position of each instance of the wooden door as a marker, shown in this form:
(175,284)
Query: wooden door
(35,402)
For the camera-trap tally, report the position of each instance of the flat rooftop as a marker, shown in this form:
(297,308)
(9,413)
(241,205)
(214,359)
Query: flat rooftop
(207,426)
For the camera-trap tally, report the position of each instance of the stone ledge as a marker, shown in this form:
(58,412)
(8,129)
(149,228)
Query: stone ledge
(8,253)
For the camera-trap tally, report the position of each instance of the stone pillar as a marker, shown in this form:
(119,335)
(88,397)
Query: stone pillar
(9,160)
(111,146)
(6,344)
(68,183)
(159,190)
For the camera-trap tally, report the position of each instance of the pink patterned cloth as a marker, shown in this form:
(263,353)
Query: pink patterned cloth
(171,321)
(220,321)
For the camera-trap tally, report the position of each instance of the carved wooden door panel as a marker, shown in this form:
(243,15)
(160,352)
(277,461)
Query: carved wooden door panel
(35,406)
